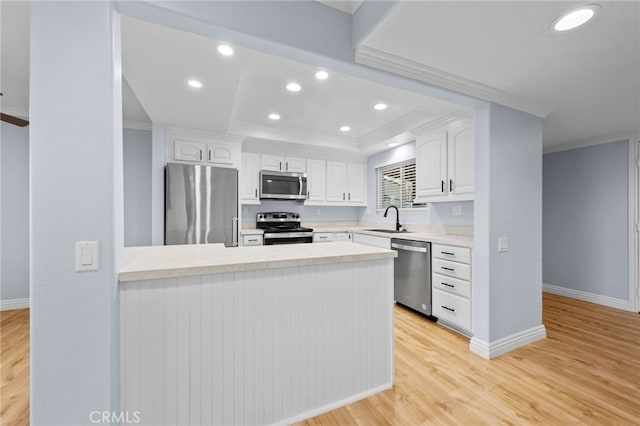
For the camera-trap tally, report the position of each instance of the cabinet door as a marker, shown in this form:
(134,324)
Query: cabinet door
(189,151)
(336,181)
(272,162)
(295,164)
(317,179)
(431,164)
(219,153)
(461,159)
(356,183)
(249,174)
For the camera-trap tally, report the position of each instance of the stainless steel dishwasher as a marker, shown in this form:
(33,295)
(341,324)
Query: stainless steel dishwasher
(412,274)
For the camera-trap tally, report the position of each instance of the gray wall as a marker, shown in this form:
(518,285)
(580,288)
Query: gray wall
(307,213)
(585,218)
(137,187)
(15,212)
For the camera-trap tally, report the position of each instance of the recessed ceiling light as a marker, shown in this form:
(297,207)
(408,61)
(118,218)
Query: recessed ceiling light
(293,87)
(225,49)
(576,18)
(322,75)
(392,144)
(345,128)
(274,116)
(380,106)
(194,83)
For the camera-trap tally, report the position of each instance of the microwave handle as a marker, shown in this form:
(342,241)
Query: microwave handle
(300,186)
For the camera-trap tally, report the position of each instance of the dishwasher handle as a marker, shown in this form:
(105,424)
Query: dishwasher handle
(409,248)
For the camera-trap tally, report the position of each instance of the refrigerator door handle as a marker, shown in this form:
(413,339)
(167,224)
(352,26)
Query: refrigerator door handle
(234,232)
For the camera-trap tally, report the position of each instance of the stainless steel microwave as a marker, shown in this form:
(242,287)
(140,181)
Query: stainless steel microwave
(283,185)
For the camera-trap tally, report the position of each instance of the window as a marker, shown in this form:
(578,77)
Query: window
(396,184)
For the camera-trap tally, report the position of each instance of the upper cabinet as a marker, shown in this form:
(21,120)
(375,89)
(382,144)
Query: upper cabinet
(249,178)
(346,183)
(445,163)
(316,180)
(278,163)
(199,147)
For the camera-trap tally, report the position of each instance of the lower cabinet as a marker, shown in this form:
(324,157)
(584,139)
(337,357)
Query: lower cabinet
(252,240)
(324,237)
(372,240)
(451,286)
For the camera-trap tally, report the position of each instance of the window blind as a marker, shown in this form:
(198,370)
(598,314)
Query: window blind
(396,184)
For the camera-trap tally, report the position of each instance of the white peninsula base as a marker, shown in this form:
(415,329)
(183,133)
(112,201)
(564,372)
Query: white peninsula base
(258,346)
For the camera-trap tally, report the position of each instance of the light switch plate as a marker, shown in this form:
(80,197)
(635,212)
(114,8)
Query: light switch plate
(503,244)
(87,256)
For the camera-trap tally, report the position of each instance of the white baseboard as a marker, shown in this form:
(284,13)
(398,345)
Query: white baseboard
(10,304)
(611,302)
(316,412)
(490,350)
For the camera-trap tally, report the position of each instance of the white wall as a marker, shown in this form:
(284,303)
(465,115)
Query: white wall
(585,227)
(14,152)
(137,187)
(76,194)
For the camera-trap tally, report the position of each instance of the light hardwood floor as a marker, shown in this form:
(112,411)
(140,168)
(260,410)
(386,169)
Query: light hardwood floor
(14,367)
(587,371)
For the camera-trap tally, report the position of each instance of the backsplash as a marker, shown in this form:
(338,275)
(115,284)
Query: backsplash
(308,213)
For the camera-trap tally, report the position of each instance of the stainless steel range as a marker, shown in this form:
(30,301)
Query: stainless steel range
(283,228)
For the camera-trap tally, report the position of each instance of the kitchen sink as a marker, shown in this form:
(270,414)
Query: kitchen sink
(389,231)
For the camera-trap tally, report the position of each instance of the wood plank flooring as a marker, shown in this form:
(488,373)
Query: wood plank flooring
(14,367)
(586,372)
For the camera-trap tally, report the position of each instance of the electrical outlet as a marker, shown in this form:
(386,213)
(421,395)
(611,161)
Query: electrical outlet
(456,210)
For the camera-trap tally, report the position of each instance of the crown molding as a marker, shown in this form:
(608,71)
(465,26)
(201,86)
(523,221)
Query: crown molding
(137,125)
(393,128)
(177,132)
(417,71)
(440,122)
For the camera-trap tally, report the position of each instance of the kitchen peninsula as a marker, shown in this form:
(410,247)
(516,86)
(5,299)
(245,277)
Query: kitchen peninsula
(253,335)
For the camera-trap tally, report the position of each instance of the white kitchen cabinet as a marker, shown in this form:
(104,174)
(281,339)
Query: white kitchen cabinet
(189,151)
(346,183)
(451,286)
(316,180)
(279,163)
(249,178)
(215,153)
(445,163)
(342,236)
(325,237)
(252,240)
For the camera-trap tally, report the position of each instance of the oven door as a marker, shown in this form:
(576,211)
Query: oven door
(283,185)
(272,239)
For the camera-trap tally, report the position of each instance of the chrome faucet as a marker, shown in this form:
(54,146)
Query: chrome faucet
(398,226)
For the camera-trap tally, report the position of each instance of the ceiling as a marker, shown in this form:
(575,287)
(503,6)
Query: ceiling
(589,78)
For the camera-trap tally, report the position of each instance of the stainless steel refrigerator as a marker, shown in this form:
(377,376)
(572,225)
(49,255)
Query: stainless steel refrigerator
(201,205)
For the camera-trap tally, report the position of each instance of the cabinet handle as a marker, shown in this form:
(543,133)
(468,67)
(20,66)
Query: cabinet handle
(280,166)
(448,253)
(448,285)
(200,155)
(441,186)
(209,155)
(256,192)
(450,185)
(447,269)
(252,241)
(343,196)
(349,196)
(448,308)
(308,194)
(286,166)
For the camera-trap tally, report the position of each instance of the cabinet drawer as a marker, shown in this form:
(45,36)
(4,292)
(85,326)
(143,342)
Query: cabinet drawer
(322,237)
(452,309)
(458,254)
(342,236)
(452,285)
(372,240)
(252,240)
(452,269)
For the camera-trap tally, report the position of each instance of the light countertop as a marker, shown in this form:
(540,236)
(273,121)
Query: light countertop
(143,263)
(437,238)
